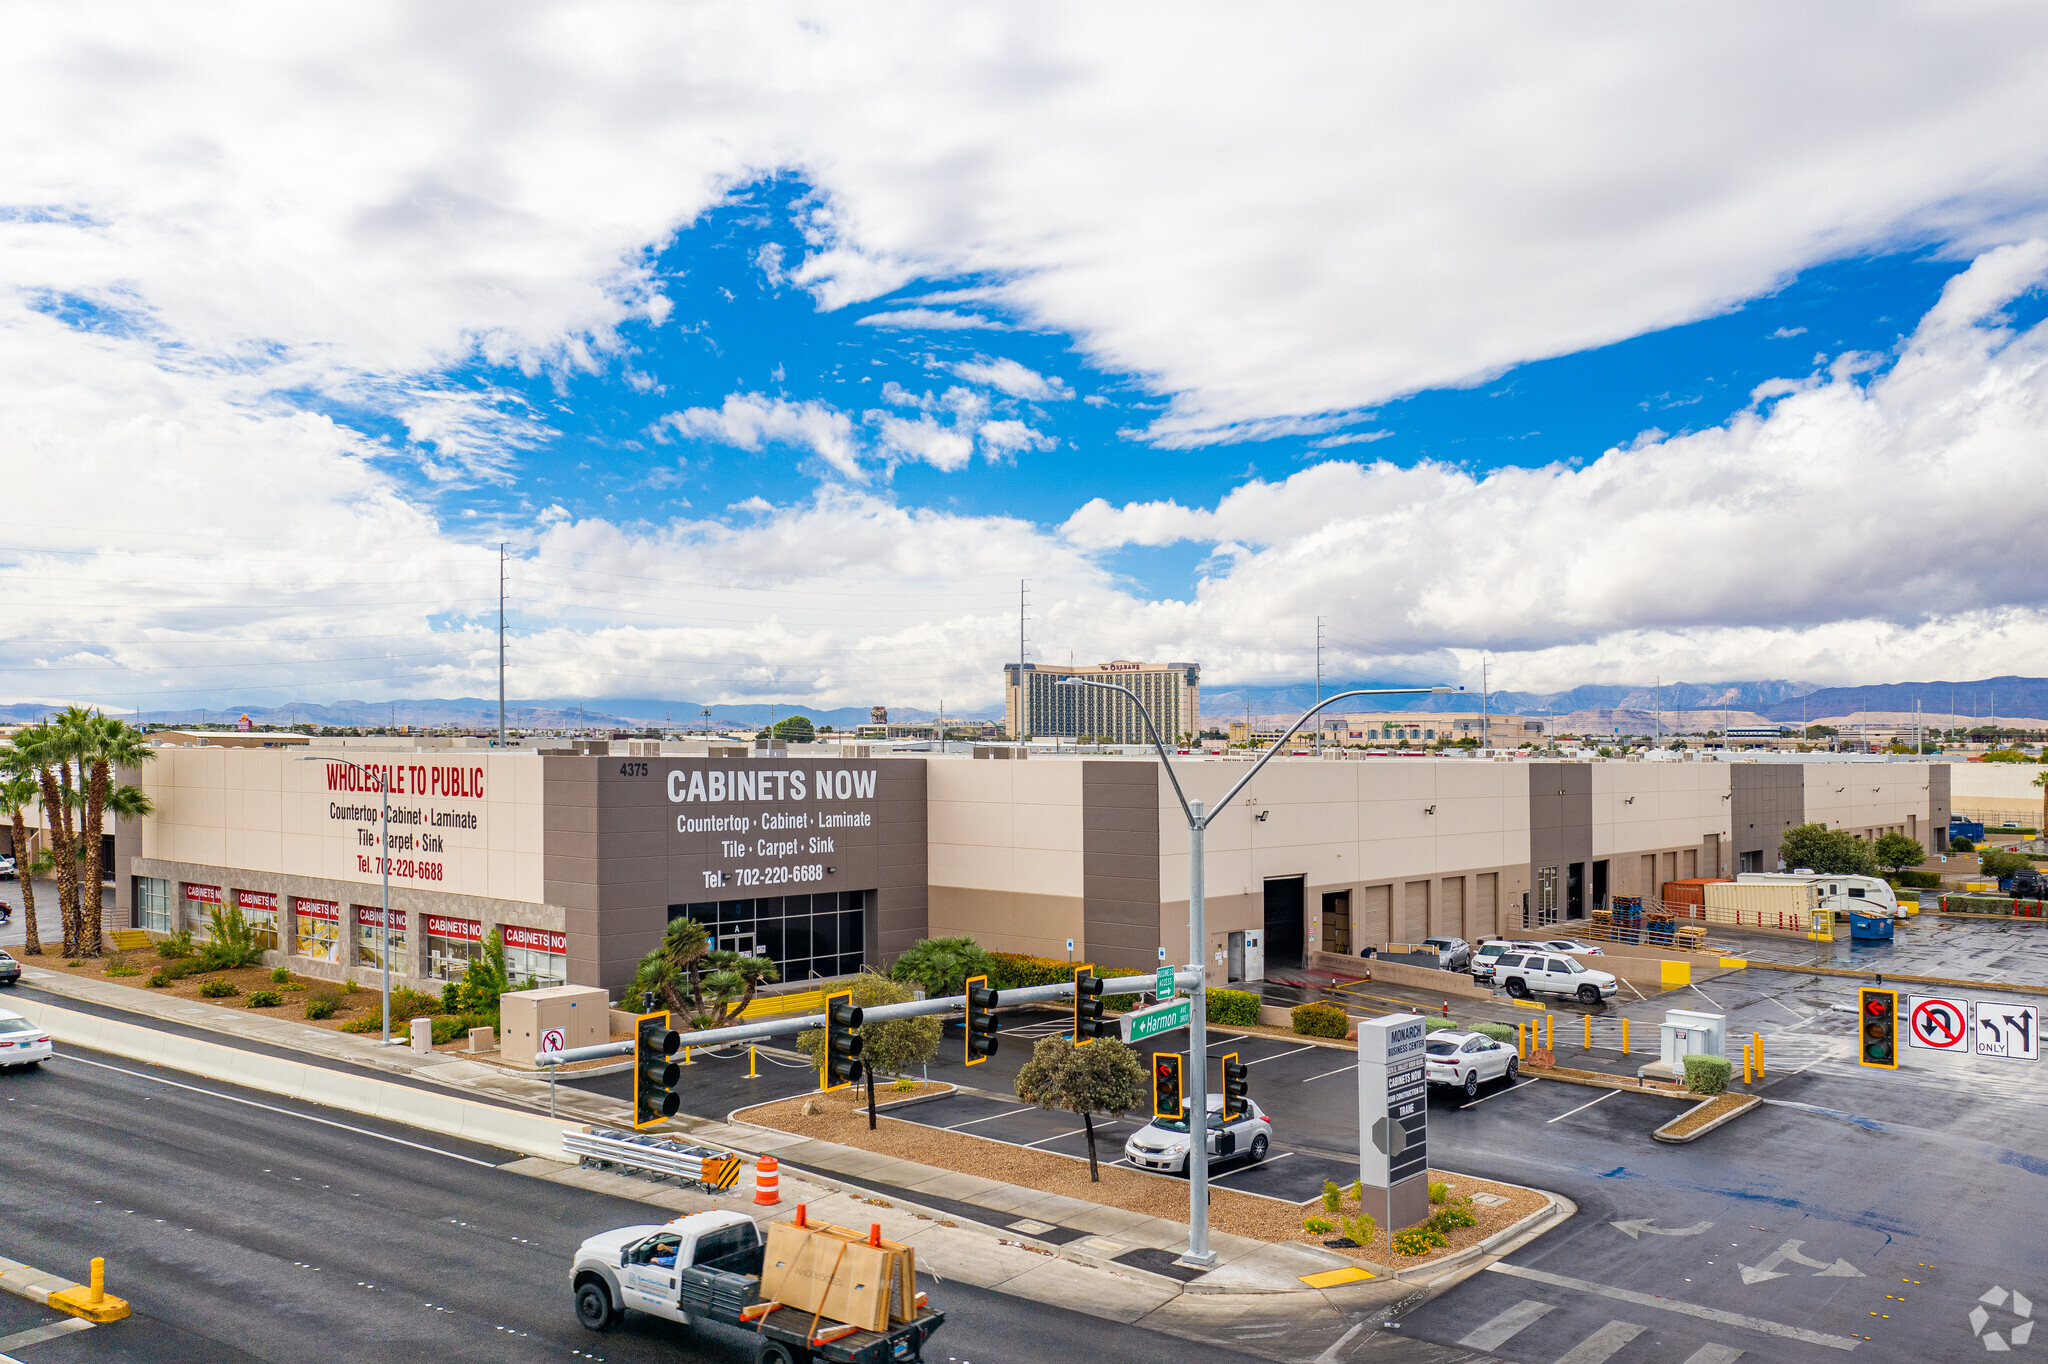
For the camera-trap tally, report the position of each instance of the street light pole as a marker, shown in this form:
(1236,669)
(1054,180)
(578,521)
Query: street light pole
(1198,944)
(384,856)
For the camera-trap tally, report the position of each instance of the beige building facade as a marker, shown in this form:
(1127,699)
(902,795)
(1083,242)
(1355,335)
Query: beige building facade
(1037,706)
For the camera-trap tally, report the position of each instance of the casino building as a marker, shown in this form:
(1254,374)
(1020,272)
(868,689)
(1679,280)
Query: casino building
(826,861)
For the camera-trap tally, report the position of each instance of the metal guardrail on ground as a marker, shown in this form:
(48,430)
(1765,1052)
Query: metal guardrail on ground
(714,1169)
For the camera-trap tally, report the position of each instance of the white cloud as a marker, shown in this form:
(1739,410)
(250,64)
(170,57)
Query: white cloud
(747,420)
(1784,332)
(1001,440)
(945,448)
(930,319)
(1017,380)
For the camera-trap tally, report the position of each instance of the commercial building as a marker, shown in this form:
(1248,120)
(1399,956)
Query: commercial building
(827,862)
(1036,706)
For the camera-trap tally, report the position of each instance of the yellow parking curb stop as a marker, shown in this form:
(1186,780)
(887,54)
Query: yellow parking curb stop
(1336,1278)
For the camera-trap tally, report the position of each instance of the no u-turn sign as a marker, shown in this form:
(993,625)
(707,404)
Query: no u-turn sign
(1938,1023)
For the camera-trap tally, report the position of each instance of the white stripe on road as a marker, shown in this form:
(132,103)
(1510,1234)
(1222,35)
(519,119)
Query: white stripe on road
(1006,1113)
(1714,1354)
(1245,1169)
(36,1335)
(1497,1332)
(1602,1345)
(268,1108)
(1498,1092)
(1769,1328)
(1328,1073)
(1329,1356)
(1278,1054)
(1583,1107)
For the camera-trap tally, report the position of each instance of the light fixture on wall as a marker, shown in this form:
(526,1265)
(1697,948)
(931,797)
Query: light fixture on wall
(1429,809)
(1261,815)
(1630,801)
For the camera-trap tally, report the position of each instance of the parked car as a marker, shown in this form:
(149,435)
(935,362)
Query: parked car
(22,1043)
(1523,974)
(1452,954)
(10,970)
(1489,952)
(1467,1060)
(1572,945)
(6,867)
(1162,1144)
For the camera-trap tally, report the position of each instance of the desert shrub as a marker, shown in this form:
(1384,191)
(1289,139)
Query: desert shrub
(320,1006)
(1358,1230)
(281,975)
(232,942)
(1438,1192)
(1418,1240)
(904,1084)
(1499,1032)
(942,965)
(290,987)
(1450,1218)
(1961,845)
(1318,1225)
(1708,1074)
(1233,1008)
(265,999)
(218,989)
(179,944)
(372,1021)
(1333,1198)
(451,998)
(408,1003)
(1320,1020)
(159,979)
(1430,1025)
(122,968)
(349,985)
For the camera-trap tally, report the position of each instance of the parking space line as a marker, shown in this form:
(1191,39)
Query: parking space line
(1007,1113)
(1769,1328)
(1328,1073)
(1509,1090)
(1277,1055)
(36,1335)
(1247,1169)
(1583,1107)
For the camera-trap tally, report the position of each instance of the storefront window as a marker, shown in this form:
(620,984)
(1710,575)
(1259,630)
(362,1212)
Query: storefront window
(319,929)
(452,944)
(370,938)
(534,954)
(806,936)
(200,901)
(259,911)
(154,905)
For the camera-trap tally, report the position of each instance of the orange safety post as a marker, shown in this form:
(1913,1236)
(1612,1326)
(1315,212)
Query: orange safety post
(1589,1031)
(1624,1036)
(800,1216)
(875,1235)
(768,1182)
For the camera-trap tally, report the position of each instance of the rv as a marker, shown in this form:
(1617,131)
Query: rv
(1840,894)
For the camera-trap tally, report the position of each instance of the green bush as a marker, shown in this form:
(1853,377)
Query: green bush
(265,999)
(1333,1197)
(218,989)
(232,944)
(1430,1025)
(1955,845)
(1499,1032)
(1320,1020)
(1234,1008)
(320,1006)
(159,979)
(1708,1074)
(1418,1240)
(408,1003)
(1358,1230)
(1020,971)
(1438,1192)
(1318,1225)
(179,944)
(118,967)
(1918,880)
(942,965)
(281,975)
(373,1021)
(2002,864)
(291,987)
(1450,1218)
(451,998)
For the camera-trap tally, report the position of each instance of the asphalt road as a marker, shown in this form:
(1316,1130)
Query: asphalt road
(247,1227)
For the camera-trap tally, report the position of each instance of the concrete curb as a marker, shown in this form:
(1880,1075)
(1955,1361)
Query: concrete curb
(1997,986)
(63,1295)
(1731,1115)
(1503,1242)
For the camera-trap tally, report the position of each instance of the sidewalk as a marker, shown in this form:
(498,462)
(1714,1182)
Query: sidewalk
(1085,1256)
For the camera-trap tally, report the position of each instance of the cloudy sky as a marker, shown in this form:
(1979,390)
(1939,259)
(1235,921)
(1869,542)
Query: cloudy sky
(780,342)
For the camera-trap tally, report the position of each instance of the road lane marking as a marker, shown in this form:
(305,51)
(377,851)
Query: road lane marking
(1006,1113)
(1714,1354)
(1769,1328)
(1277,1055)
(270,1108)
(36,1335)
(1497,1332)
(1509,1090)
(1328,1073)
(1583,1107)
(1329,1356)
(1247,1169)
(1602,1345)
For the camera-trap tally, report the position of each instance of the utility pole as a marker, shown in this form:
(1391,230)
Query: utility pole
(501,644)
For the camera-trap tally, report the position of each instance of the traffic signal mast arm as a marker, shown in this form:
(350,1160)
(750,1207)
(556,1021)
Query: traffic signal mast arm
(880,1013)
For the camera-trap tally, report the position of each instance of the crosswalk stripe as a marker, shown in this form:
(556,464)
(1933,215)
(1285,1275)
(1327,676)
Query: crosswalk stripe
(1495,1333)
(1714,1354)
(1602,1345)
(1689,1309)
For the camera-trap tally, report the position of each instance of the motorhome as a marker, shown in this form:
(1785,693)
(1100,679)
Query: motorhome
(1839,893)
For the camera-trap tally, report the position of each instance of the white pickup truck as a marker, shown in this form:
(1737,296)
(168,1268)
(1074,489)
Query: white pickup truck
(707,1267)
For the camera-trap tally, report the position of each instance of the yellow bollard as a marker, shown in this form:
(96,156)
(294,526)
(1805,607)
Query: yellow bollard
(1589,1031)
(686,1057)
(99,1281)
(1745,1065)
(1624,1036)
(1521,1043)
(1550,1032)
(1756,1040)
(753,1060)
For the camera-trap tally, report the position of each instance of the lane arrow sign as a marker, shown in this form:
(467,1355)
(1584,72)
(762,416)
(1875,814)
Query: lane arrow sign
(1634,1229)
(1767,1268)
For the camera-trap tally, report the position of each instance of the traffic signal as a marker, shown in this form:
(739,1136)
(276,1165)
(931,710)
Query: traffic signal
(981,1020)
(655,1076)
(1166,1100)
(1237,1083)
(1087,1005)
(842,1043)
(1878,1015)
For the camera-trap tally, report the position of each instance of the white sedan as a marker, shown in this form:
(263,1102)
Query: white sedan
(1573,945)
(1467,1060)
(1162,1144)
(22,1043)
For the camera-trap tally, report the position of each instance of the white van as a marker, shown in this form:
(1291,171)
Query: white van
(1840,894)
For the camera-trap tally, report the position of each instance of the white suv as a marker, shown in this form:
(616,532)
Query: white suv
(1544,973)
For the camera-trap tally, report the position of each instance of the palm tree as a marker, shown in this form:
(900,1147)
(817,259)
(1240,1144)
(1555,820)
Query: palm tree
(2041,780)
(51,748)
(104,745)
(17,793)
(692,979)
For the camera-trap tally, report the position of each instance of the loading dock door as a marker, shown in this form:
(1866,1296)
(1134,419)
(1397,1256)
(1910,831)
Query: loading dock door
(1283,920)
